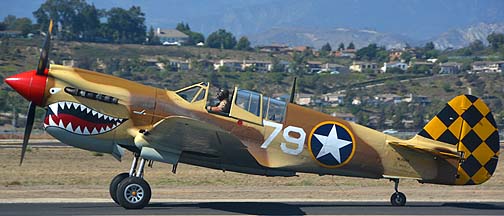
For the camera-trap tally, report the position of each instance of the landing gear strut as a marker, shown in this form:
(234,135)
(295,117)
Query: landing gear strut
(130,190)
(397,198)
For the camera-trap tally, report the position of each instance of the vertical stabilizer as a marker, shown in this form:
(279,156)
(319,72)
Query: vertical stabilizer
(466,121)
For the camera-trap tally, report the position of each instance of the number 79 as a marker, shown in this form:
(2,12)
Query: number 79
(298,141)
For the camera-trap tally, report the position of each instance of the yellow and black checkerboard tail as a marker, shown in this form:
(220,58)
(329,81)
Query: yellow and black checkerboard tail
(466,121)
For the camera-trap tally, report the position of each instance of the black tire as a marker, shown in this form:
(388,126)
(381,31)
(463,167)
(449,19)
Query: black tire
(114,183)
(398,199)
(133,193)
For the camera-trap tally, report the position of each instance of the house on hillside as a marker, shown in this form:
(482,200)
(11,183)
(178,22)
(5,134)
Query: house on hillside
(334,98)
(487,67)
(180,64)
(401,65)
(345,116)
(258,66)
(10,34)
(300,49)
(334,68)
(449,68)
(417,99)
(228,64)
(421,66)
(314,66)
(273,48)
(304,99)
(171,36)
(348,53)
(388,98)
(360,66)
(395,54)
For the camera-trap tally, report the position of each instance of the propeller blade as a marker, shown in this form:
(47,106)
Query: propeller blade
(44,54)
(29,125)
(293,90)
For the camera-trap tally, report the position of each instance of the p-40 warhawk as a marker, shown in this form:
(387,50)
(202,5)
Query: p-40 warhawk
(259,135)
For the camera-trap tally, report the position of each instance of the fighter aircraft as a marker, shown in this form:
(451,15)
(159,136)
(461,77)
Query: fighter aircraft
(259,135)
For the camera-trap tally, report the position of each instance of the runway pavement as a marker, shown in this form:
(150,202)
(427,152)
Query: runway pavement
(257,208)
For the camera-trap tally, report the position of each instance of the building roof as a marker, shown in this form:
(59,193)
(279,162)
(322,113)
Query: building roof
(342,115)
(423,63)
(487,62)
(273,46)
(170,33)
(362,62)
(450,64)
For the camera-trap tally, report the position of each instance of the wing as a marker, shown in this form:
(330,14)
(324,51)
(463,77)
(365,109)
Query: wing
(171,136)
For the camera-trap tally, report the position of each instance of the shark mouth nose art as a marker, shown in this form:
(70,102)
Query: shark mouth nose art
(79,119)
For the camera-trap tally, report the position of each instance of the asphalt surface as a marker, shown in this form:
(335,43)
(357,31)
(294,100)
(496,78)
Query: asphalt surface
(257,208)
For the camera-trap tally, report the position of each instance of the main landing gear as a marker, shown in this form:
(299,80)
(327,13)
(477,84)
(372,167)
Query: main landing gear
(130,190)
(397,198)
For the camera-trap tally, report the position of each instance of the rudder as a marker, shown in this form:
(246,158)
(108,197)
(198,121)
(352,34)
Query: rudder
(466,121)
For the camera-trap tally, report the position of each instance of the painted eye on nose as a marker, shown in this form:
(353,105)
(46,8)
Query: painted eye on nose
(54,90)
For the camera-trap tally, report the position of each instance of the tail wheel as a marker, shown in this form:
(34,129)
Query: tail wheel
(133,193)
(115,183)
(398,199)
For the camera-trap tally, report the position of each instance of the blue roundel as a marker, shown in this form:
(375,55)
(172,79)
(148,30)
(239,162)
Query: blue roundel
(331,144)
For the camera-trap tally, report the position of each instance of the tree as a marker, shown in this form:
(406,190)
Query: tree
(243,44)
(496,40)
(372,52)
(86,23)
(298,64)
(152,38)
(476,45)
(351,45)
(429,46)
(24,25)
(325,50)
(194,37)
(126,26)
(183,27)
(10,21)
(341,46)
(75,18)
(326,47)
(395,70)
(63,13)
(406,56)
(221,39)
(276,66)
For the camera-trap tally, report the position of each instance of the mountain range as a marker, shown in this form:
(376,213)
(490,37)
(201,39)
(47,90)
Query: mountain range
(314,22)
(455,38)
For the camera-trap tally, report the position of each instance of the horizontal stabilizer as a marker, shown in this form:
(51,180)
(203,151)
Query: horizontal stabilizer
(441,152)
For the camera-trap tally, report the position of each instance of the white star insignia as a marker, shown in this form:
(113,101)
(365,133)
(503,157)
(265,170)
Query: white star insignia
(331,144)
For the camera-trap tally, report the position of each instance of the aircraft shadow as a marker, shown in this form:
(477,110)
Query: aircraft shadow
(250,208)
(277,208)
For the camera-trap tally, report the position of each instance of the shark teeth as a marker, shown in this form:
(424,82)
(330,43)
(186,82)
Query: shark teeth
(54,108)
(85,132)
(97,123)
(51,122)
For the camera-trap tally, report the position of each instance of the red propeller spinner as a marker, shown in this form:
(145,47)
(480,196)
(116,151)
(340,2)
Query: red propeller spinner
(30,85)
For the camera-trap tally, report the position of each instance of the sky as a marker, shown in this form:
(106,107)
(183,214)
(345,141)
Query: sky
(419,19)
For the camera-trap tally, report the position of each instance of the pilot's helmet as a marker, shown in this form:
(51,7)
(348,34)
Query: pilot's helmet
(222,94)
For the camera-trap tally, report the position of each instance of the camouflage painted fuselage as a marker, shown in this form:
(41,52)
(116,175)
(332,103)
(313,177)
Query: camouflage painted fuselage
(106,113)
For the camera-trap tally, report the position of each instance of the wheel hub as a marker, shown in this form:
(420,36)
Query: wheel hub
(134,193)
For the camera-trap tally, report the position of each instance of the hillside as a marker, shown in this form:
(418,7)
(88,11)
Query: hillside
(132,62)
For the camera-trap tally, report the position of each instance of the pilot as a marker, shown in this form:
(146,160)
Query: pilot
(223,105)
